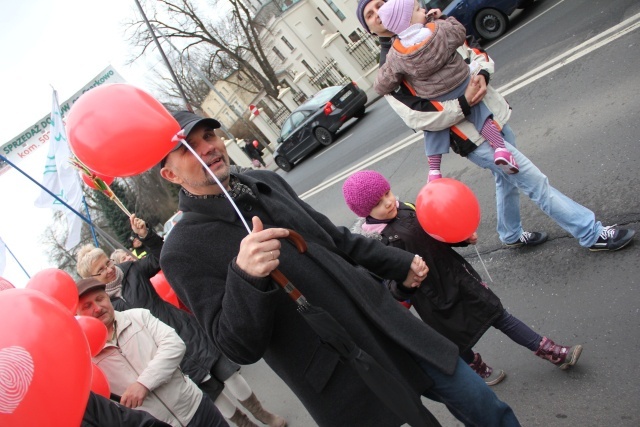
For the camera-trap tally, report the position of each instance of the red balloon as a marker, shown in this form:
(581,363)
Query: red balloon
(58,285)
(255,143)
(120,130)
(95,331)
(5,284)
(163,288)
(448,210)
(107,179)
(99,383)
(43,356)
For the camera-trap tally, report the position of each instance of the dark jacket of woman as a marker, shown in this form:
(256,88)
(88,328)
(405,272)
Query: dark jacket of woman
(138,292)
(250,318)
(452,299)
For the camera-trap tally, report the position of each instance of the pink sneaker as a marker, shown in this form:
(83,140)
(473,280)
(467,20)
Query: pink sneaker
(433,175)
(505,160)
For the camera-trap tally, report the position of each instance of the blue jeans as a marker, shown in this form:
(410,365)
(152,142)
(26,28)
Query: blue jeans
(468,398)
(579,221)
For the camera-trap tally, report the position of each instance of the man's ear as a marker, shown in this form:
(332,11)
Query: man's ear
(168,174)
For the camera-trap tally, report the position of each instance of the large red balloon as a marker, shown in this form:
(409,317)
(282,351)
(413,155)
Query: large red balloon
(45,365)
(95,331)
(99,383)
(163,288)
(58,285)
(5,284)
(448,210)
(107,179)
(120,130)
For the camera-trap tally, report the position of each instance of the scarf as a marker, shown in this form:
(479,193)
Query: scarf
(114,289)
(372,225)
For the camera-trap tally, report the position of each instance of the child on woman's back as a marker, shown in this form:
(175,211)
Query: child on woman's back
(453,299)
(424,55)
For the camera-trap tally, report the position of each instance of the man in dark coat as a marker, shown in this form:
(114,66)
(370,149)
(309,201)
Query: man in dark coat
(222,275)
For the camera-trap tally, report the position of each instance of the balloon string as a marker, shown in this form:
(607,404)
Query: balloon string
(224,190)
(485,267)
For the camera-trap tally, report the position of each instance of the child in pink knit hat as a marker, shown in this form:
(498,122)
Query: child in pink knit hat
(424,54)
(453,299)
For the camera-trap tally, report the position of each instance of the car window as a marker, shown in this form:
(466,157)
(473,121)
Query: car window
(287,127)
(295,120)
(321,98)
(436,4)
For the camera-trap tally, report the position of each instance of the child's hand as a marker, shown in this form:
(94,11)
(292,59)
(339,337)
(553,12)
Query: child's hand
(433,14)
(417,273)
(473,239)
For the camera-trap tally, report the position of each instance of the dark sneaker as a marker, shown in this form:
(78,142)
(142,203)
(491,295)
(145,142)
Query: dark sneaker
(529,239)
(612,238)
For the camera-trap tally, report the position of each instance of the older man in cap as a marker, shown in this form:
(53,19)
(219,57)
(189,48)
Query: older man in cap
(223,275)
(141,361)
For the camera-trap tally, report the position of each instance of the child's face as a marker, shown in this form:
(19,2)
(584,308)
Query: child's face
(419,15)
(386,207)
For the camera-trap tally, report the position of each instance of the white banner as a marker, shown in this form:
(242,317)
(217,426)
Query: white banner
(37,135)
(3,256)
(61,178)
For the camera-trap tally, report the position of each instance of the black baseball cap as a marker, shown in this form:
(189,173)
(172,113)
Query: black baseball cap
(188,121)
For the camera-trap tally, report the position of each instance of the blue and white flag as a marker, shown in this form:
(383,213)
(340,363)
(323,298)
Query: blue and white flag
(61,178)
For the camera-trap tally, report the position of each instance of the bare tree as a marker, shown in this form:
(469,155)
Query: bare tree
(231,43)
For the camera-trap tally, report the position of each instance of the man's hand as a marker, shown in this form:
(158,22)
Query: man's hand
(134,395)
(473,239)
(417,273)
(138,226)
(260,250)
(479,84)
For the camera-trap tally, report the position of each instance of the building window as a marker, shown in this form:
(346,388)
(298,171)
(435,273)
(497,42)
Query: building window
(319,21)
(308,67)
(335,9)
(285,41)
(323,15)
(354,37)
(279,54)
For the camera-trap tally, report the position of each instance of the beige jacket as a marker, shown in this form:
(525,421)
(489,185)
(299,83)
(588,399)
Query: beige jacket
(149,352)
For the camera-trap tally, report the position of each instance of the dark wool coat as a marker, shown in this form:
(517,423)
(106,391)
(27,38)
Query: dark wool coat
(138,292)
(452,299)
(101,411)
(250,318)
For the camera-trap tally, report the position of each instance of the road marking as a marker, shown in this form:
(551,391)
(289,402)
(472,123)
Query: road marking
(585,48)
(522,26)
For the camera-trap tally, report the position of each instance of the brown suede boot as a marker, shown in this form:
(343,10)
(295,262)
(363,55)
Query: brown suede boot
(240,419)
(560,355)
(255,407)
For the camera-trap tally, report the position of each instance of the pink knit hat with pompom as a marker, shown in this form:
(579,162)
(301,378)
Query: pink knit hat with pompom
(395,15)
(363,190)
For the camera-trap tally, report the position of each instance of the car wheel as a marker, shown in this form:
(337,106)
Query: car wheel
(323,136)
(360,114)
(283,163)
(490,24)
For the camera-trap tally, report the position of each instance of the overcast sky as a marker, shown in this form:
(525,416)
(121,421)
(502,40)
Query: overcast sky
(44,43)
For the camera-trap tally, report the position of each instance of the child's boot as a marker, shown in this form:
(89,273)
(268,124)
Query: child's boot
(559,355)
(505,160)
(487,373)
(433,175)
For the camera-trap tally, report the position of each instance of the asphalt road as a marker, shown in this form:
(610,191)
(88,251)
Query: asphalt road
(579,123)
